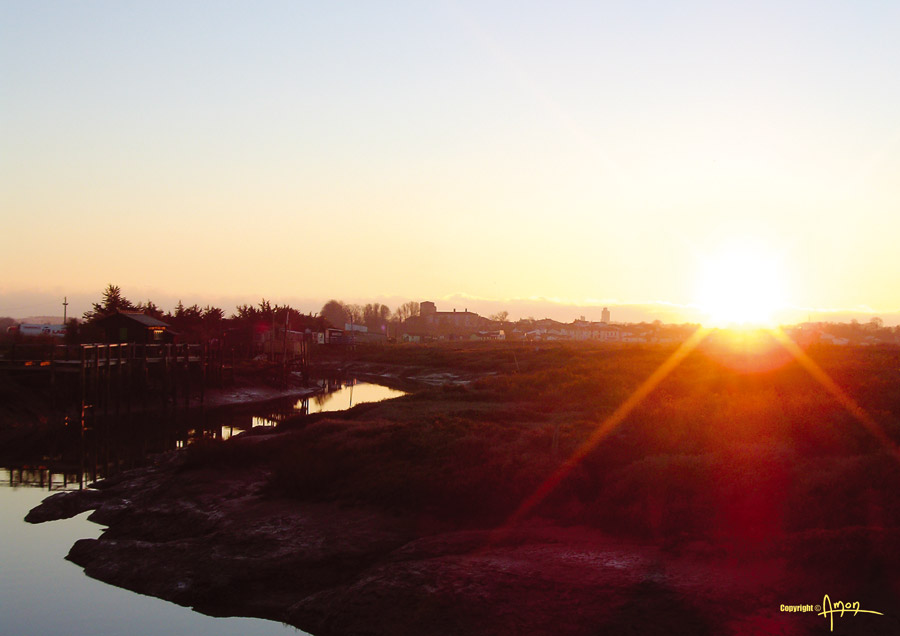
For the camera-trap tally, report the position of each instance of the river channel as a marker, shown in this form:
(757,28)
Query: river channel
(42,593)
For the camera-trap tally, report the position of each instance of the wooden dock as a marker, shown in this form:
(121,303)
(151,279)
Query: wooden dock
(112,379)
(117,377)
(115,402)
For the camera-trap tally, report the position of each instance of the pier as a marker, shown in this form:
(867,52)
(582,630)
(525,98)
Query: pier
(119,378)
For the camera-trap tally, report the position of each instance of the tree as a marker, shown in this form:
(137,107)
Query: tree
(334,312)
(73,331)
(150,309)
(407,310)
(266,312)
(355,313)
(188,316)
(113,301)
(188,321)
(5,323)
(212,320)
(245,313)
(213,314)
(376,316)
(284,315)
(501,316)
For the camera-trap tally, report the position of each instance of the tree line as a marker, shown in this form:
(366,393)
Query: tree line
(201,323)
(374,316)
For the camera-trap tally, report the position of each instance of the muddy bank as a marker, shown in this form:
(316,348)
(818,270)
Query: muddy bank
(400,376)
(214,540)
(253,394)
(220,541)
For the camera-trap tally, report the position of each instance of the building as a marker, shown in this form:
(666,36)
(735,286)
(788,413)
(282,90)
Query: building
(427,307)
(608,333)
(604,316)
(280,342)
(449,325)
(497,334)
(27,329)
(136,327)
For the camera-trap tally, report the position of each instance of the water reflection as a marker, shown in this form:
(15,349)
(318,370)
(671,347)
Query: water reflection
(42,593)
(43,477)
(347,397)
(79,454)
(334,397)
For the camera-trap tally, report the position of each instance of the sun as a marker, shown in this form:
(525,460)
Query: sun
(741,285)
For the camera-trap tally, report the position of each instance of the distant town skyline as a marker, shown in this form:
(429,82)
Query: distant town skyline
(42,305)
(588,154)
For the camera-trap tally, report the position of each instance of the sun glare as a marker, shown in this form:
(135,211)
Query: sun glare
(740,285)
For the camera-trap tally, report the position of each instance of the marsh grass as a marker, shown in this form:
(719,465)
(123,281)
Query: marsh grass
(715,451)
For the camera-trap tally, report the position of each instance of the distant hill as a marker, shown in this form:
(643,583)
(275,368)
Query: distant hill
(42,320)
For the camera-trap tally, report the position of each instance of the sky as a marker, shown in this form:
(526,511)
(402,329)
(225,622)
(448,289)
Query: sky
(553,157)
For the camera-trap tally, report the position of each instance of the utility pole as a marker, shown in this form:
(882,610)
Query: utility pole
(65,307)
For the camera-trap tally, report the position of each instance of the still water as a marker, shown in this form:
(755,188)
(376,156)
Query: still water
(42,593)
(339,398)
